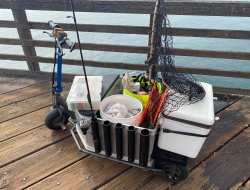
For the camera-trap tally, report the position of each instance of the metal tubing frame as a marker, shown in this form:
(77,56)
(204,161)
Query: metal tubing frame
(82,149)
(58,88)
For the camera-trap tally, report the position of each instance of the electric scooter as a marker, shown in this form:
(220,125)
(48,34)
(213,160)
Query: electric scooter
(59,116)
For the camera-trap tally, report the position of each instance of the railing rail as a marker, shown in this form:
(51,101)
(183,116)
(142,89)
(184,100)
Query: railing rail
(175,7)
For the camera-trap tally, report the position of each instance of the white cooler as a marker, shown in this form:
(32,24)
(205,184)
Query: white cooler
(185,130)
(77,97)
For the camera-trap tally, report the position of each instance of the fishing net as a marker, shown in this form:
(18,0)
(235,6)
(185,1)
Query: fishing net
(183,88)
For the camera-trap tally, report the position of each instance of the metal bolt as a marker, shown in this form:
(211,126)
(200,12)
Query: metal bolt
(87,177)
(23,179)
(58,183)
(217,118)
(5,173)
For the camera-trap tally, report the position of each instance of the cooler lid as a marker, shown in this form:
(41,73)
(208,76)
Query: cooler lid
(201,112)
(78,91)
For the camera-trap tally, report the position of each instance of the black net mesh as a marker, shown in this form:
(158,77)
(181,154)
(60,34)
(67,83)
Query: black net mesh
(183,88)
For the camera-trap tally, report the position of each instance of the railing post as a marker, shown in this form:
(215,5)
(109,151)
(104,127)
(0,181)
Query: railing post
(24,33)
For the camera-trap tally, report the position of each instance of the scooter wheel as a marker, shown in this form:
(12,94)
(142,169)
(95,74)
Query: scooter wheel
(174,172)
(53,119)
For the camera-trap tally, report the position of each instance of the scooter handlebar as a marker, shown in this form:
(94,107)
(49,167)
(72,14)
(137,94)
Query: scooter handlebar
(53,25)
(59,33)
(70,44)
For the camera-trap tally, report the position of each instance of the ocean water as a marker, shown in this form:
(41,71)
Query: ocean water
(211,22)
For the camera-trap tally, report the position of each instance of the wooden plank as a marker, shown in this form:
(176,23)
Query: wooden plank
(127,66)
(157,183)
(24,93)
(231,162)
(89,173)
(7,24)
(136,49)
(179,7)
(124,181)
(22,124)
(67,77)
(142,7)
(211,33)
(232,121)
(208,8)
(13,57)
(133,49)
(91,46)
(24,107)
(10,41)
(237,74)
(40,165)
(25,144)
(212,54)
(144,30)
(25,33)
(9,84)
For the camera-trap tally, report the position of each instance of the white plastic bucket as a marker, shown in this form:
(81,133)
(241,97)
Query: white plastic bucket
(130,102)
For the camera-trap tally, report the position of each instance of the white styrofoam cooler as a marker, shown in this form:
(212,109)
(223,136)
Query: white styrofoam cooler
(77,98)
(184,131)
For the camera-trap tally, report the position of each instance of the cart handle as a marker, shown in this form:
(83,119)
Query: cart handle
(73,131)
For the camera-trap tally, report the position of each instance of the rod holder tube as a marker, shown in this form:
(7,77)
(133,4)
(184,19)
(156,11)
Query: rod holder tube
(95,134)
(131,144)
(119,140)
(144,148)
(107,138)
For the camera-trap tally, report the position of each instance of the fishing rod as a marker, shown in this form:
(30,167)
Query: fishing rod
(94,122)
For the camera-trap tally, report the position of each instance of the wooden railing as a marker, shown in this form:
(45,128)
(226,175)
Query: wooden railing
(174,7)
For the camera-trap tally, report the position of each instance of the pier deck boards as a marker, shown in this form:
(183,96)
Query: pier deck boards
(34,157)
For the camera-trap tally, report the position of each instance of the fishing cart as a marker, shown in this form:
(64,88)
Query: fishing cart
(160,120)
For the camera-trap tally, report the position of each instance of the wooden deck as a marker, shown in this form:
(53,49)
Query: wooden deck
(34,157)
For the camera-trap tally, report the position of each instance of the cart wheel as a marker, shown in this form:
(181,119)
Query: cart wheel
(54,117)
(174,172)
